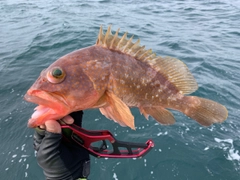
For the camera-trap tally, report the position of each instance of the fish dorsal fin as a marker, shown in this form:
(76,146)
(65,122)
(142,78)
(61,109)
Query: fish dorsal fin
(173,69)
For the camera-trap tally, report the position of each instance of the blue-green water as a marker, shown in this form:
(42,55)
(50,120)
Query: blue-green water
(203,34)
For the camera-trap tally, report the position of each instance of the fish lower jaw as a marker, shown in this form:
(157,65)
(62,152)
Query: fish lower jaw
(39,111)
(32,123)
(41,114)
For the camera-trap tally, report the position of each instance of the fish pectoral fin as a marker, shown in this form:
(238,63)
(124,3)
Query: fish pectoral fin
(160,114)
(117,110)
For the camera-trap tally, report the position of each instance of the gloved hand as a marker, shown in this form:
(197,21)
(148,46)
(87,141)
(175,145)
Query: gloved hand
(60,160)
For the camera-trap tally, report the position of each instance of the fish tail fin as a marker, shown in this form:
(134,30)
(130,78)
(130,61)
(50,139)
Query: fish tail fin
(204,111)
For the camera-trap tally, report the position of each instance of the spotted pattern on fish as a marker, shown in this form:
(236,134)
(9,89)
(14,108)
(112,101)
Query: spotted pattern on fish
(116,74)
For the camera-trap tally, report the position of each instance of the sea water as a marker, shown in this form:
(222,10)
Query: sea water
(203,34)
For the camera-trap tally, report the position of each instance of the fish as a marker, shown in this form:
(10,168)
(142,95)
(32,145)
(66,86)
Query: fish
(114,75)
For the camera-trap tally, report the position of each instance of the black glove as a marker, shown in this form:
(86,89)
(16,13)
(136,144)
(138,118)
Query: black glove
(60,160)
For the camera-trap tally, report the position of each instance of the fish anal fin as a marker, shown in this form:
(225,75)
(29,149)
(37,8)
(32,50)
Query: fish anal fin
(142,111)
(117,110)
(160,114)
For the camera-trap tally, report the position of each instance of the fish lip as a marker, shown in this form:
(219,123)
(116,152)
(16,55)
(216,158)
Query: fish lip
(43,98)
(55,104)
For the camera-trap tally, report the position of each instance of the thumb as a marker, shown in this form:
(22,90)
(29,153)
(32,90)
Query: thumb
(53,126)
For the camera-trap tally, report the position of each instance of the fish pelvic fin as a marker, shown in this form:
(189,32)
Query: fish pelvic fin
(117,110)
(174,70)
(204,111)
(160,114)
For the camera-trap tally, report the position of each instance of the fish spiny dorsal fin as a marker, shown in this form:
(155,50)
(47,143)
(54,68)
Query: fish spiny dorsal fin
(108,34)
(173,69)
(100,36)
(112,45)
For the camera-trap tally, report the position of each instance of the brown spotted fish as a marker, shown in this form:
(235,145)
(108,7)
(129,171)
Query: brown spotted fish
(114,75)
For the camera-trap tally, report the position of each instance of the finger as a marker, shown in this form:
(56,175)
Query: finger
(68,119)
(42,126)
(53,126)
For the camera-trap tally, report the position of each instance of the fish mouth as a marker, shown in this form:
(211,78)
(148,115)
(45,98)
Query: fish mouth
(51,106)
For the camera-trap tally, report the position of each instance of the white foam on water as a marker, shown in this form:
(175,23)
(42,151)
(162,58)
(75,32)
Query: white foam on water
(96,119)
(113,169)
(18,156)
(233,154)
(12,91)
(224,140)
(15,155)
(115,176)
(145,162)
(211,128)
(23,146)
(159,134)
(116,166)
(206,148)
(24,155)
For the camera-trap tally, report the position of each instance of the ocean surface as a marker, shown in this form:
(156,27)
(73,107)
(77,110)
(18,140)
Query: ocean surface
(204,34)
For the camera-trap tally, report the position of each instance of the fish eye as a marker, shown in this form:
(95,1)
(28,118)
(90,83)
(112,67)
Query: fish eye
(56,75)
